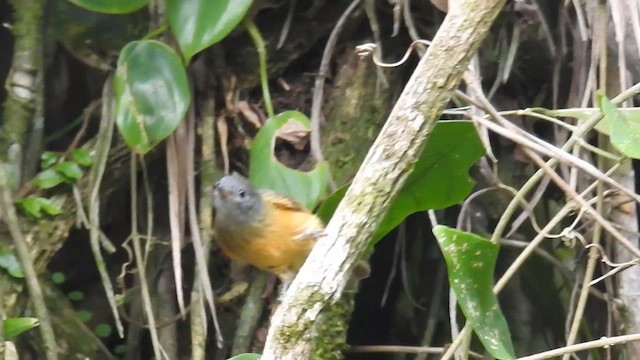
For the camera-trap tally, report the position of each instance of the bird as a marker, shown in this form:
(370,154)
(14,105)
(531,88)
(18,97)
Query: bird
(266,229)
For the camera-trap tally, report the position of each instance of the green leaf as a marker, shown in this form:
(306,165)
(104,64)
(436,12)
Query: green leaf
(49,207)
(330,204)
(266,172)
(75,296)
(471,261)
(82,157)
(48,158)
(31,206)
(152,93)
(198,24)
(247,356)
(9,262)
(16,326)
(58,278)
(111,6)
(48,179)
(439,178)
(69,169)
(103,330)
(625,129)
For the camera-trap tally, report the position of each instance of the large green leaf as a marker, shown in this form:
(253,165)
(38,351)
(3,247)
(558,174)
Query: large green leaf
(625,128)
(198,24)
(439,178)
(471,261)
(266,172)
(16,326)
(152,93)
(111,6)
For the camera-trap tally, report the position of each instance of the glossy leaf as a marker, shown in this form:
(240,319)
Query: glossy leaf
(198,24)
(82,157)
(440,177)
(16,326)
(10,263)
(266,172)
(152,93)
(247,356)
(471,262)
(625,129)
(48,179)
(111,6)
(69,169)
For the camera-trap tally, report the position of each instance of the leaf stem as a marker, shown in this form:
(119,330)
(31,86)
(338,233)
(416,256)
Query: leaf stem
(255,36)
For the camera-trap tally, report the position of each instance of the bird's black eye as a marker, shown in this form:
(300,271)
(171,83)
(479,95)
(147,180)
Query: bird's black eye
(241,193)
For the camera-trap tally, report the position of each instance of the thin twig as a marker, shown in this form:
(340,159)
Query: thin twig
(10,217)
(318,87)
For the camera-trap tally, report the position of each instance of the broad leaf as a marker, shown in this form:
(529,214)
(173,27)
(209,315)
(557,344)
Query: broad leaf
(16,326)
(152,93)
(266,172)
(10,263)
(111,6)
(440,177)
(198,24)
(471,261)
(625,129)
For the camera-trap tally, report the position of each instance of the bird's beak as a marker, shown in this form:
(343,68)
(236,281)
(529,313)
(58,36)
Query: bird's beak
(220,193)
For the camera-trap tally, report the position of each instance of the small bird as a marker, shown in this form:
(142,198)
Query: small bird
(265,229)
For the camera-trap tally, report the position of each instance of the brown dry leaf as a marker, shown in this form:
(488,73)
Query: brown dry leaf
(294,133)
(248,114)
(223,134)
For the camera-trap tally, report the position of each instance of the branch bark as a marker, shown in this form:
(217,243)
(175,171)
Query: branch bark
(390,160)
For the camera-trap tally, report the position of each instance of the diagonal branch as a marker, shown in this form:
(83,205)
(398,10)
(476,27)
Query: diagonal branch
(389,162)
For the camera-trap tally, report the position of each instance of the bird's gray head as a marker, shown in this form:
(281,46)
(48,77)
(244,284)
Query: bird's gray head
(236,202)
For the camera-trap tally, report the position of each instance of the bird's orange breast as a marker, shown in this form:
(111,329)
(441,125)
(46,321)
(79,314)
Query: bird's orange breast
(280,244)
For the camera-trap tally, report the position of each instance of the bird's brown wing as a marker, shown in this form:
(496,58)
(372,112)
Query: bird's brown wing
(281,202)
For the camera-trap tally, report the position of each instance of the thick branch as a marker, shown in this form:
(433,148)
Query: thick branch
(382,174)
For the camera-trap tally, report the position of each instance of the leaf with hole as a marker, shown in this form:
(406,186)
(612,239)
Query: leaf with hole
(152,93)
(198,24)
(625,128)
(471,262)
(16,326)
(267,172)
(439,179)
(111,6)
(10,263)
